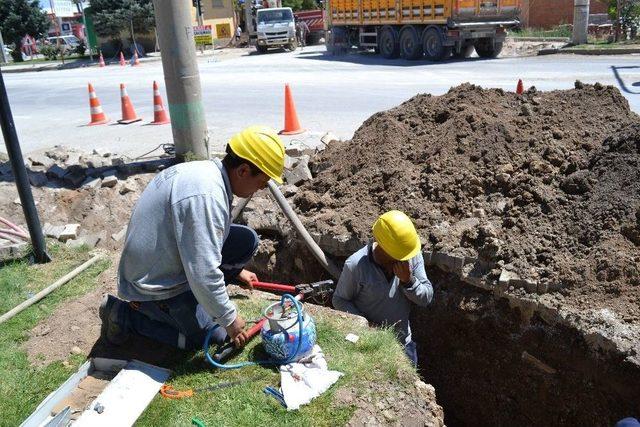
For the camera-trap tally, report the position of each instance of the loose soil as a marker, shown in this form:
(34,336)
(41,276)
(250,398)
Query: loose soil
(545,185)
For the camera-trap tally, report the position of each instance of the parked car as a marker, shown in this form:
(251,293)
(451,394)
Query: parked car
(71,42)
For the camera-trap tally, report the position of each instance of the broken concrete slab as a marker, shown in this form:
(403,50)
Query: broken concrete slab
(328,138)
(13,251)
(58,153)
(38,179)
(128,186)
(299,150)
(75,177)
(109,181)
(56,172)
(90,241)
(69,232)
(340,245)
(91,183)
(119,235)
(41,160)
(300,173)
(52,230)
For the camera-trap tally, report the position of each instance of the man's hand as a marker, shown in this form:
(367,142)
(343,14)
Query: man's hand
(247,277)
(402,271)
(236,332)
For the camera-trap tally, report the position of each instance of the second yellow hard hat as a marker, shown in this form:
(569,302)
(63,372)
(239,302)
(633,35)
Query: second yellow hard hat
(397,236)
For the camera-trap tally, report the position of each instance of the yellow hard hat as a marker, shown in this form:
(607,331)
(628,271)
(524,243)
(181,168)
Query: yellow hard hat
(397,236)
(261,146)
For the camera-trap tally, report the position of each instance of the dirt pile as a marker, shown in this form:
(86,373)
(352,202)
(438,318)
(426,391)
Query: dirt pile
(541,191)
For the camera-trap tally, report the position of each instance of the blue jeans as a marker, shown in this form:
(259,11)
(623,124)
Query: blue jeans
(411,350)
(180,321)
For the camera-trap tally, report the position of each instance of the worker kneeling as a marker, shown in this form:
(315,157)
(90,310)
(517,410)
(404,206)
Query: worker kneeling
(380,281)
(181,248)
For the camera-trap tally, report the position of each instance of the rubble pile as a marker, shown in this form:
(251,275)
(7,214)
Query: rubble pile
(82,198)
(537,193)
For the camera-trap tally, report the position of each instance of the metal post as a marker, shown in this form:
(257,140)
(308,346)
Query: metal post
(86,35)
(580,21)
(20,173)
(182,79)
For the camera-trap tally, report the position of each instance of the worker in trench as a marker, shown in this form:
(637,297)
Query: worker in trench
(381,280)
(181,249)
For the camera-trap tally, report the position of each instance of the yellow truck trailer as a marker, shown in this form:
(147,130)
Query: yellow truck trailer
(413,28)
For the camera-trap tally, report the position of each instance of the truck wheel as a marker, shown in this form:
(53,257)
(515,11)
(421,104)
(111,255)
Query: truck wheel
(261,49)
(292,46)
(410,46)
(433,45)
(465,51)
(388,43)
(335,41)
(487,48)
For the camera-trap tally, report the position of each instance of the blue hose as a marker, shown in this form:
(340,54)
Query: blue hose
(290,359)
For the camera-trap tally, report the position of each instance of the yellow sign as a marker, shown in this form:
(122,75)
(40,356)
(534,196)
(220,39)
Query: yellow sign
(223,31)
(203,34)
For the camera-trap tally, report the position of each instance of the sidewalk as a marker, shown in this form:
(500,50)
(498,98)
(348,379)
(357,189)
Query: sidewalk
(219,54)
(594,50)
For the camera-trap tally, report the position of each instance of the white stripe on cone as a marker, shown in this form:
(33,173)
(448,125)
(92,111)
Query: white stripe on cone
(158,108)
(156,93)
(96,110)
(92,95)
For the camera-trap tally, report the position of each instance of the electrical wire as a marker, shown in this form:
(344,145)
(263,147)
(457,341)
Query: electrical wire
(289,359)
(168,148)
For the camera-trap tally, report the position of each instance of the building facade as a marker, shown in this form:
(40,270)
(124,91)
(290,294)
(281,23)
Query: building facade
(220,15)
(551,13)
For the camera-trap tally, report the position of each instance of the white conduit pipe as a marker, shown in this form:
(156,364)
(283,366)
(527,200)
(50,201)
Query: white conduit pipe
(313,246)
(46,291)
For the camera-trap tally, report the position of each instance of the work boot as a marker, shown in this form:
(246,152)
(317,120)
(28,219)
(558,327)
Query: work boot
(111,331)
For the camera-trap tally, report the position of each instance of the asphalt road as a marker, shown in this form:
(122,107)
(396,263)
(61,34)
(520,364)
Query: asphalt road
(331,93)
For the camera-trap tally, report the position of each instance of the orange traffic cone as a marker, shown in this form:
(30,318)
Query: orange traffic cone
(122,61)
(128,113)
(291,123)
(134,59)
(102,64)
(520,87)
(159,113)
(97,115)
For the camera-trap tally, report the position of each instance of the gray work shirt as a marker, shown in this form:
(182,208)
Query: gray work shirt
(363,289)
(175,237)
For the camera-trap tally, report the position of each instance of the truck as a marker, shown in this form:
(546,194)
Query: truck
(413,29)
(315,22)
(275,28)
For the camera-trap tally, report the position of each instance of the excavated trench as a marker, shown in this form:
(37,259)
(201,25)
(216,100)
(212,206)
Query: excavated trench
(529,211)
(493,361)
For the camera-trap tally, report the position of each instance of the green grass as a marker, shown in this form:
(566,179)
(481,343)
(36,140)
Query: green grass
(375,358)
(23,386)
(603,44)
(560,31)
(41,61)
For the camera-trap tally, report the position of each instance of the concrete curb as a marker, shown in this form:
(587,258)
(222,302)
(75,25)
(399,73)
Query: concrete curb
(595,52)
(539,39)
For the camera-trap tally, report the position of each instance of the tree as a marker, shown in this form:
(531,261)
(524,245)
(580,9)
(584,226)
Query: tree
(293,4)
(111,17)
(19,18)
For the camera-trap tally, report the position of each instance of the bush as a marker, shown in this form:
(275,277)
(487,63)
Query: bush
(49,51)
(53,51)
